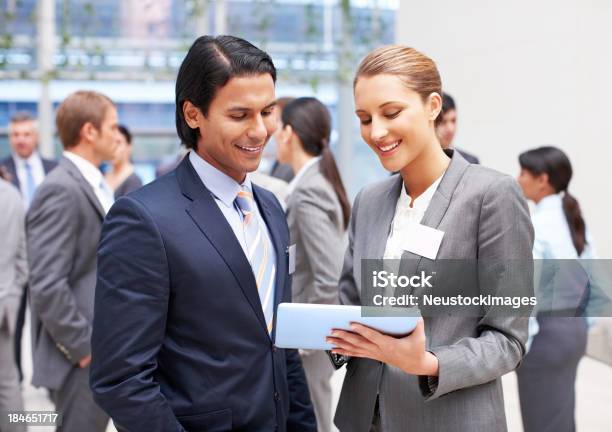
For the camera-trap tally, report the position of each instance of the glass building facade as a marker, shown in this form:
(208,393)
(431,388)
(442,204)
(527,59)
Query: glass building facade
(131,50)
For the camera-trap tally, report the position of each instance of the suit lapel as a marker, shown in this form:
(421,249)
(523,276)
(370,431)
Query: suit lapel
(12,169)
(310,172)
(379,231)
(437,207)
(442,197)
(84,185)
(207,216)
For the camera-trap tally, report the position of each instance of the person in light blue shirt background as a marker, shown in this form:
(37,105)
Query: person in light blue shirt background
(568,292)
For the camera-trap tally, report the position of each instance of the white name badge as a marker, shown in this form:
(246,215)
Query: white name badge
(422,240)
(291,256)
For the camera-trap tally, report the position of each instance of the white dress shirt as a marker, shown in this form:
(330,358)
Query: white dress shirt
(38,173)
(224,190)
(553,241)
(94,177)
(405,215)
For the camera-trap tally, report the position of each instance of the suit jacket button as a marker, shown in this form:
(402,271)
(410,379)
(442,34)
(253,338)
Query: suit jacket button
(276,396)
(274,349)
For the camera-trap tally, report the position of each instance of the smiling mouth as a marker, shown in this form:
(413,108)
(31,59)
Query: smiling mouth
(251,149)
(388,147)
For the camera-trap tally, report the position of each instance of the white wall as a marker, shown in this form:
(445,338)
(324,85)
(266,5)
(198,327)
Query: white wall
(524,74)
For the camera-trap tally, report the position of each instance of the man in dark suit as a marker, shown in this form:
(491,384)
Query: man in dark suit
(63,230)
(191,269)
(26,169)
(446,127)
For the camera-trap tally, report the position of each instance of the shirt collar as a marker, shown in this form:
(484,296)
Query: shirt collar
(222,186)
(549,202)
(422,201)
(34,158)
(293,183)
(91,172)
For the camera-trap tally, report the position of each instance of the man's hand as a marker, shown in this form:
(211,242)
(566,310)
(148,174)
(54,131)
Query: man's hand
(85,361)
(407,353)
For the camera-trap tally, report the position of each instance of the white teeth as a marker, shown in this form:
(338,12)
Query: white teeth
(250,149)
(389,147)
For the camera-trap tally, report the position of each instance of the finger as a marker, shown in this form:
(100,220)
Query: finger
(357,353)
(340,343)
(420,327)
(369,334)
(352,338)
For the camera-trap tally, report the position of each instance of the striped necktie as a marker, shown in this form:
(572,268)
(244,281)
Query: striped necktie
(259,254)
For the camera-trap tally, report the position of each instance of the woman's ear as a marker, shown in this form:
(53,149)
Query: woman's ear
(286,132)
(192,114)
(542,180)
(434,104)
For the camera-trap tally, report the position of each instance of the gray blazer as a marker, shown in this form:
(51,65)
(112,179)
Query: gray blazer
(483,215)
(315,224)
(63,230)
(128,185)
(13,264)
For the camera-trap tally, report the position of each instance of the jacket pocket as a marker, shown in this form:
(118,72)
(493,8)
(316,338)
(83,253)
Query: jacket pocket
(214,421)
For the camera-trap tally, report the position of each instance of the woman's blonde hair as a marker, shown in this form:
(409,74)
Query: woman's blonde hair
(414,68)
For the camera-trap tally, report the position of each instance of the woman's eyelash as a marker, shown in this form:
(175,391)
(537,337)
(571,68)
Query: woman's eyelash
(393,115)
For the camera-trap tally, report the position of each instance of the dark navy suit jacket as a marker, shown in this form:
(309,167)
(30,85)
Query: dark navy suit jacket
(179,337)
(9,164)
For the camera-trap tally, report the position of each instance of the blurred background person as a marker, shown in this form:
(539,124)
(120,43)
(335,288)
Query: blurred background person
(446,127)
(63,231)
(13,277)
(547,375)
(318,212)
(169,164)
(121,178)
(26,170)
(275,185)
(280,170)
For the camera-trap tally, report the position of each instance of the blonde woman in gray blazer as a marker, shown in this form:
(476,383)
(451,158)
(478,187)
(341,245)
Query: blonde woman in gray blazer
(317,214)
(445,375)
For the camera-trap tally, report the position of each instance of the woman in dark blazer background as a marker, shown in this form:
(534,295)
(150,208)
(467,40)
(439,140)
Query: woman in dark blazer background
(317,214)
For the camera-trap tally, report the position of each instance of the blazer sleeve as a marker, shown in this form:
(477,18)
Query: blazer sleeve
(505,240)
(12,254)
(51,248)
(348,292)
(131,303)
(322,243)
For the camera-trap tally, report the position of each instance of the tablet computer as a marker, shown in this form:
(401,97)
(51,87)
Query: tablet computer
(305,326)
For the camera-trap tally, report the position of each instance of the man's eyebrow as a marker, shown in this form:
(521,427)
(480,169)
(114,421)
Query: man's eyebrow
(245,109)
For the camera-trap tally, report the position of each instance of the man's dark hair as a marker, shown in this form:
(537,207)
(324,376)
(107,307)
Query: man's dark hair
(123,130)
(448,103)
(210,63)
(22,116)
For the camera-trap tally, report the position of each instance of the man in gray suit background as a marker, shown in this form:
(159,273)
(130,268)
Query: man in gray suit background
(63,230)
(13,276)
(26,170)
